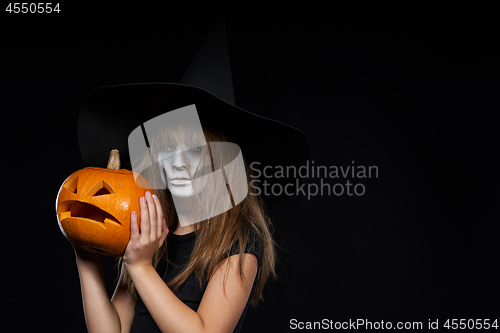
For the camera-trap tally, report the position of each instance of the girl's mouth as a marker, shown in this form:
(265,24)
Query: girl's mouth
(180,181)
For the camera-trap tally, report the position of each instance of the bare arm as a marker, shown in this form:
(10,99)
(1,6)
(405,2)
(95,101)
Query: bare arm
(124,305)
(220,308)
(222,304)
(102,314)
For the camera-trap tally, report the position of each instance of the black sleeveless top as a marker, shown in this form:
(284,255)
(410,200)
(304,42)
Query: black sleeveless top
(179,249)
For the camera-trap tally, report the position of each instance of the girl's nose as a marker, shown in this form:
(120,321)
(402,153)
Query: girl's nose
(178,162)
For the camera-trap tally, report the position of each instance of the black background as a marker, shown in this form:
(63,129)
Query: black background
(412,89)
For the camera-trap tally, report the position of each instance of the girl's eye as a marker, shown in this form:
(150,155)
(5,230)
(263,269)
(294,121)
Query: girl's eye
(170,148)
(197,149)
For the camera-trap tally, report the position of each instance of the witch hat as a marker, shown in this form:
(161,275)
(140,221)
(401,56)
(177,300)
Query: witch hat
(211,67)
(109,114)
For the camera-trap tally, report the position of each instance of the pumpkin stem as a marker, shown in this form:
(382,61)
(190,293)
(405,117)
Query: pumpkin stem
(114,160)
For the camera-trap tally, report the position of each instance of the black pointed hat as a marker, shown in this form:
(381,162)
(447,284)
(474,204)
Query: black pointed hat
(109,114)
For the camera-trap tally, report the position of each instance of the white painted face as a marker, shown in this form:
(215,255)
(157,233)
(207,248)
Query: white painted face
(178,165)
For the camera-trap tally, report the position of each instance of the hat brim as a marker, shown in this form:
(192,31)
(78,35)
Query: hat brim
(109,114)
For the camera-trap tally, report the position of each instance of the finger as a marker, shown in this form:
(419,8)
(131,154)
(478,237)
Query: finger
(144,217)
(153,224)
(159,216)
(134,228)
(164,232)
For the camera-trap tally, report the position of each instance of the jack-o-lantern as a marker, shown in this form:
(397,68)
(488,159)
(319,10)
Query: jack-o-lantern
(93,207)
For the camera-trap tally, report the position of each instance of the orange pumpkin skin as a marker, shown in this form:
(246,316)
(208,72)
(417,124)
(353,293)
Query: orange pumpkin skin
(93,208)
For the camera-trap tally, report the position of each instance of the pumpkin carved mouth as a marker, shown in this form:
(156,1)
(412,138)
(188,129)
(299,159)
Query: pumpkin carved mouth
(79,209)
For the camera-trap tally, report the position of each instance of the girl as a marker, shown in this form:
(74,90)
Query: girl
(180,272)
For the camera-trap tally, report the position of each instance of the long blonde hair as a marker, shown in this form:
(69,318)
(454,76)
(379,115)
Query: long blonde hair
(217,236)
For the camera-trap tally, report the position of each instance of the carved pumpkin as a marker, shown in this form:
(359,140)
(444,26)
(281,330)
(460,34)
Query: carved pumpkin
(93,207)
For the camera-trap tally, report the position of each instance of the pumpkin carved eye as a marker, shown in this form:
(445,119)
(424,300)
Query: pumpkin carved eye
(101,188)
(72,185)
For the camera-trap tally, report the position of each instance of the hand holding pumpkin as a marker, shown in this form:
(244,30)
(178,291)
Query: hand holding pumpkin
(86,256)
(143,244)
